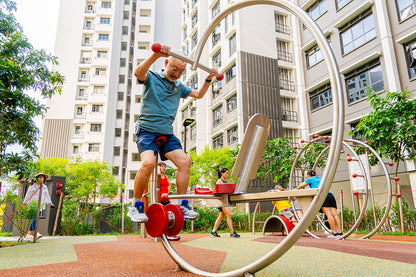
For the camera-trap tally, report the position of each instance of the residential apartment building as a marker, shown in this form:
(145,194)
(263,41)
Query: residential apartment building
(256,57)
(374,44)
(99,44)
(271,62)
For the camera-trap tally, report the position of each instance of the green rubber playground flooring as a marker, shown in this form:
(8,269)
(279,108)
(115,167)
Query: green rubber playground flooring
(302,261)
(297,261)
(46,251)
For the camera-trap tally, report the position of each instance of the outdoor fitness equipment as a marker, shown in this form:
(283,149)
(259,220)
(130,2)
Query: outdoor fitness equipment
(156,47)
(250,153)
(360,170)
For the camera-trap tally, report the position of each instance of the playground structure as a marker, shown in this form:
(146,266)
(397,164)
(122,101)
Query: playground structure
(360,190)
(249,158)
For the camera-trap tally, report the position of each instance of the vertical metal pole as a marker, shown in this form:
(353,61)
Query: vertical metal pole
(341,197)
(400,209)
(37,213)
(122,213)
(61,197)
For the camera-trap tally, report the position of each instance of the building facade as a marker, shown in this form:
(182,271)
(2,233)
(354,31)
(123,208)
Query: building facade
(271,62)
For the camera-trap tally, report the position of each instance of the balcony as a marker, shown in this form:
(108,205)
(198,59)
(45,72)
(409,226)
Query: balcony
(287,85)
(282,28)
(288,115)
(85,60)
(284,56)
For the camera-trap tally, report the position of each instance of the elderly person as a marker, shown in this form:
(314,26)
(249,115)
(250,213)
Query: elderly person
(160,101)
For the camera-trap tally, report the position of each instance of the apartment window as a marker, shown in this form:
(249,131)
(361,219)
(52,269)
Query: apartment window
(126,15)
(98,89)
(100,71)
(216,59)
(194,19)
(218,142)
(285,79)
(281,24)
(104,20)
(232,135)
(410,49)
(406,8)
(95,128)
(103,37)
(185,33)
(216,9)
(79,110)
(143,45)
(359,31)
(135,157)
(216,88)
(342,3)
(145,12)
(317,9)
(93,147)
(77,130)
(217,116)
(233,44)
(369,75)
(119,114)
(120,96)
(194,40)
(314,55)
(358,135)
(105,4)
(86,41)
(115,171)
(216,35)
(321,97)
(232,103)
(133,175)
(102,54)
(193,82)
(116,150)
(283,52)
(137,99)
(231,73)
(97,108)
(117,132)
(193,132)
(90,8)
(75,149)
(144,29)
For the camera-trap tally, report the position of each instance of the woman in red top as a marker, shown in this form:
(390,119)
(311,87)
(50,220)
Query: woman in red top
(164,181)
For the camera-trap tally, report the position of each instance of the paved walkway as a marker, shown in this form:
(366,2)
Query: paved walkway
(132,255)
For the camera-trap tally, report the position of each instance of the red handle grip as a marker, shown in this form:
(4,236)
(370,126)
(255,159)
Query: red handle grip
(220,76)
(156,47)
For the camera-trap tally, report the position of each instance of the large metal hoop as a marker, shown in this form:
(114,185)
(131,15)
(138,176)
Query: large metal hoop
(335,145)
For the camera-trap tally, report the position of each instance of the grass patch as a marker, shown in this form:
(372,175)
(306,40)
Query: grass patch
(12,243)
(6,234)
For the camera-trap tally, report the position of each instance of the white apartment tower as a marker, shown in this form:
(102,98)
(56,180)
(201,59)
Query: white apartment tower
(99,43)
(254,49)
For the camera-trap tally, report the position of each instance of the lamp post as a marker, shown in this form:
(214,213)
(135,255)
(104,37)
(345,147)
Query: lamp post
(186,123)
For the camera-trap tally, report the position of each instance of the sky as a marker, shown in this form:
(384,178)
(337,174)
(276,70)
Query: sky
(38,19)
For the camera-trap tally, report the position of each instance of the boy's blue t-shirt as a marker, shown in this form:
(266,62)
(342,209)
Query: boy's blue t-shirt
(314,182)
(160,102)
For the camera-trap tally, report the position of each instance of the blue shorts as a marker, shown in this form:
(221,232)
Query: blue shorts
(146,141)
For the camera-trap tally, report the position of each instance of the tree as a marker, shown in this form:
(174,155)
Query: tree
(279,156)
(205,165)
(22,68)
(390,128)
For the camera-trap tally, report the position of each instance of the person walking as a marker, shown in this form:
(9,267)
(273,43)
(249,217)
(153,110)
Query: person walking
(224,211)
(32,194)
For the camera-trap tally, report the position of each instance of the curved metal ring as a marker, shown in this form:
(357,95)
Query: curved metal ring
(335,146)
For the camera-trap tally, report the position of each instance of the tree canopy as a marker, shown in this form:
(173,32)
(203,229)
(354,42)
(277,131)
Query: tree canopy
(23,70)
(390,128)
